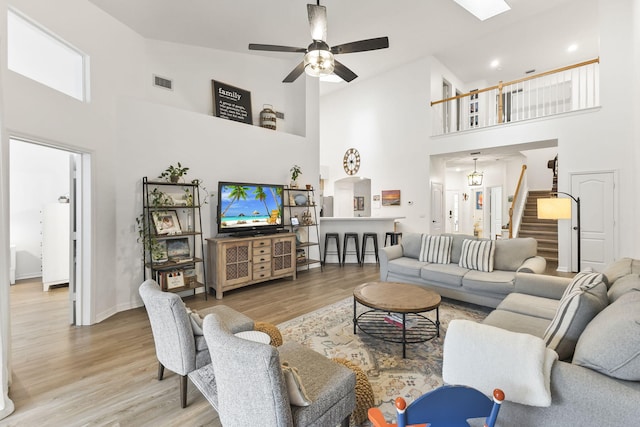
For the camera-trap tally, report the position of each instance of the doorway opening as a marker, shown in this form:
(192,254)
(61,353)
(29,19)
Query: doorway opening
(49,220)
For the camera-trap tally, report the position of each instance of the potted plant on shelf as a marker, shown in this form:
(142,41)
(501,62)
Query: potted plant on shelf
(296,171)
(174,173)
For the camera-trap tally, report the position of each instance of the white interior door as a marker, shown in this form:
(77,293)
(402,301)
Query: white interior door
(597,225)
(495,213)
(73,205)
(437,198)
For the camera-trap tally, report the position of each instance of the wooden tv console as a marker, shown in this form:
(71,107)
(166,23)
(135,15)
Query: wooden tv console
(241,261)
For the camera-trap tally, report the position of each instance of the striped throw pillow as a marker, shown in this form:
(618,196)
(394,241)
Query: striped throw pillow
(583,299)
(477,255)
(436,249)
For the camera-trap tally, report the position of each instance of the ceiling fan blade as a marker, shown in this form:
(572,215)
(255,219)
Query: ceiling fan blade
(295,73)
(343,72)
(318,21)
(275,48)
(361,46)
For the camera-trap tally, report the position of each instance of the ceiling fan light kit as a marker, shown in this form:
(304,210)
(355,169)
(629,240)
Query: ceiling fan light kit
(319,58)
(318,61)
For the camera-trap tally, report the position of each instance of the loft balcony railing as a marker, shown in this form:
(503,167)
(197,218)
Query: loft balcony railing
(572,88)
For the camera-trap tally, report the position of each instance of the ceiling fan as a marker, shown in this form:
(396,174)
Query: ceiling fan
(318,59)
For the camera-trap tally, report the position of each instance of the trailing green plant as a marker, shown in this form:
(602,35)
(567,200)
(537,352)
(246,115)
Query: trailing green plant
(188,193)
(296,171)
(174,173)
(159,199)
(146,236)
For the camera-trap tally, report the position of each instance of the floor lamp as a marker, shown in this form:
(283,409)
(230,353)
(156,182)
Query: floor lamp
(555,208)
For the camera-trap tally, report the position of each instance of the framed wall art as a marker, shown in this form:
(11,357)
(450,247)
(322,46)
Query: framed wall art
(166,222)
(390,197)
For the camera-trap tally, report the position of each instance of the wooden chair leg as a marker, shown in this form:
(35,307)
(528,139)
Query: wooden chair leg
(160,371)
(183,391)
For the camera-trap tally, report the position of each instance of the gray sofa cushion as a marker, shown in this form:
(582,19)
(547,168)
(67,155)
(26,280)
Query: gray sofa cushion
(616,270)
(443,274)
(530,305)
(406,266)
(623,285)
(610,344)
(517,322)
(511,253)
(456,246)
(411,245)
(584,298)
(496,282)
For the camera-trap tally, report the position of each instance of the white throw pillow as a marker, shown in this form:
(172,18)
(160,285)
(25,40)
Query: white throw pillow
(297,393)
(436,249)
(478,255)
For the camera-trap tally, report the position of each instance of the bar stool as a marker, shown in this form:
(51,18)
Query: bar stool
(328,236)
(356,241)
(373,236)
(395,237)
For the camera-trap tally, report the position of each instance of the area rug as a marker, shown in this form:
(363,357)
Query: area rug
(329,330)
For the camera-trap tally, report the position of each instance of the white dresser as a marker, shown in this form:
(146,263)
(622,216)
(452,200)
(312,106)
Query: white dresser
(55,244)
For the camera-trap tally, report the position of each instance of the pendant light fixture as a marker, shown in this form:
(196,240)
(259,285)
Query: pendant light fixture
(475,177)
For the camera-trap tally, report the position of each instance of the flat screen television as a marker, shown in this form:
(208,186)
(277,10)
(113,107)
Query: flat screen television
(249,208)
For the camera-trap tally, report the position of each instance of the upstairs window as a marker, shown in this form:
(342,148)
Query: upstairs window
(40,55)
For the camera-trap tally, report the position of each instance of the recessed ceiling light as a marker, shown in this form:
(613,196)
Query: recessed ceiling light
(572,47)
(484,9)
(495,63)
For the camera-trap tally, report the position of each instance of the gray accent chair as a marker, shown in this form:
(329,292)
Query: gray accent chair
(245,384)
(177,348)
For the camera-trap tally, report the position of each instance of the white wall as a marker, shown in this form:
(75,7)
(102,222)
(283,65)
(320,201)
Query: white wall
(131,129)
(594,140)
(39,175)
(387,121)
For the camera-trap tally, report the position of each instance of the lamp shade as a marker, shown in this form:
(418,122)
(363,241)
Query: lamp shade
(554,208)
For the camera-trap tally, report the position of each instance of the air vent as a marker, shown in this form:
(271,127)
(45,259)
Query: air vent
(162,82)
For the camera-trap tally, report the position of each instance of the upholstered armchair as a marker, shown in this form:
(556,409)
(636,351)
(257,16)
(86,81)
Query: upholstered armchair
(177,348)
(246,385)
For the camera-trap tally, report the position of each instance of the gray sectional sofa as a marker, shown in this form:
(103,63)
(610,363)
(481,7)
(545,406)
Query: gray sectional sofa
(592,321)
(597,379)
(400,263)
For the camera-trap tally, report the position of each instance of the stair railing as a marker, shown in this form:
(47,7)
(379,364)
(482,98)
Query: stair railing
(518,203)
(571,88)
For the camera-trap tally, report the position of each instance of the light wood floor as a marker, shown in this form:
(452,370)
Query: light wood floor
(105,374)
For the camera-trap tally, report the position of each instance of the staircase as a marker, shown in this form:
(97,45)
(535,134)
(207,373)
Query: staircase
(545,231)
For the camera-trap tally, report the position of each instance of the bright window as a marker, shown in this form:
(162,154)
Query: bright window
(39,55)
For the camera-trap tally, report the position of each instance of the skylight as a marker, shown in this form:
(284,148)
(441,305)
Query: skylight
(45,58)
(484,9)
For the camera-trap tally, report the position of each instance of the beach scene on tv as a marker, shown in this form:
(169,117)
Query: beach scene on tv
(250,205)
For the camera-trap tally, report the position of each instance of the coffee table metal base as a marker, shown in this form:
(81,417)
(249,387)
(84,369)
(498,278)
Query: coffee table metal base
(373,323)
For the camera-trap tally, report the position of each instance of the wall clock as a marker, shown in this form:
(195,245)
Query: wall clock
(351,161)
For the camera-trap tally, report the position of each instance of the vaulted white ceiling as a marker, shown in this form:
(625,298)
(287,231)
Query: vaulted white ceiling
(534,34)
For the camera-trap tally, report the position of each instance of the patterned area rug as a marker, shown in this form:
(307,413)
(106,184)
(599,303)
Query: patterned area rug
(329,331)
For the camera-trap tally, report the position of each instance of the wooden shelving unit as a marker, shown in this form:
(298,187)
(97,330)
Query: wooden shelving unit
(302,219)
(173,254)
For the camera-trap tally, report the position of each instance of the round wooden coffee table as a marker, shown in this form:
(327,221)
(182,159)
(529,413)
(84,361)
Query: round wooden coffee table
(395,314)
